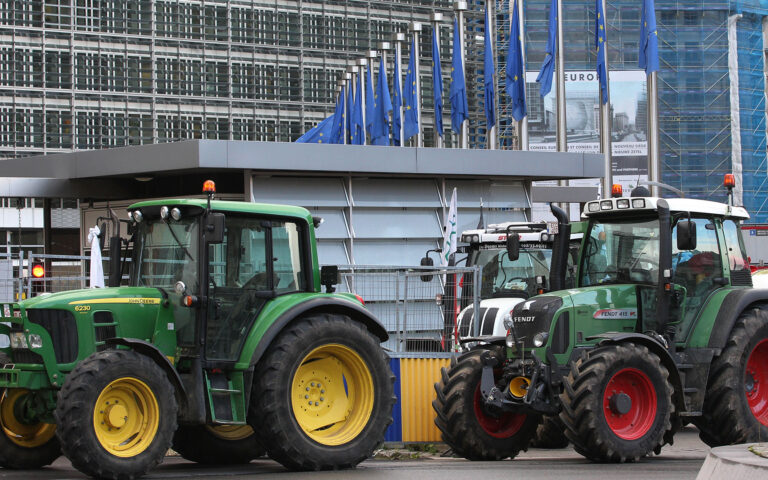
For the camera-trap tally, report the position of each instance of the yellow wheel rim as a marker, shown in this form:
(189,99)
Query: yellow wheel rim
(22,434)
(126,417)
(231,432)
(332,394)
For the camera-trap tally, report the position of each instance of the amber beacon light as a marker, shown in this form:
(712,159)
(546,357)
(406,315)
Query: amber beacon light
(616,191)
(209,186)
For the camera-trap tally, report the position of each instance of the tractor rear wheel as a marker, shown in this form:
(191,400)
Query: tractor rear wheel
(736,404)
(323,394)
(24,444)
(550,433)
(465,424)
(217,445)
(617,403)
(116,415)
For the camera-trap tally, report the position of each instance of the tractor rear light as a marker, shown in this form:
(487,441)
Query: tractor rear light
(729,181)
(360,299)
(616,190)
(38,270)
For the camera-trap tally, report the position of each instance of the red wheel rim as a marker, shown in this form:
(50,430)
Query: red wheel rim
(636,418)
(756,382)
(503,426)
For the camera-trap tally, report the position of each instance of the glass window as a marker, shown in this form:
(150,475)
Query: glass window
(621,252)
(502,277)
(737,256)
(287,257)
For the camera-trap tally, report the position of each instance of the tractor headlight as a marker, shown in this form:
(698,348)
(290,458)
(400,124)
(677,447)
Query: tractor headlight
(540,339)
(164,212)
(35,341)
(137,216)
(510,341)
(176,214)
(506,320)
(18,340)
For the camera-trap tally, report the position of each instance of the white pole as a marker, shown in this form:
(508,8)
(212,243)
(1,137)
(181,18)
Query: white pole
(562,133)
(605,122)
(653,133)
(343,84)
(460,7)
(399,39)
(363,64)
(436,19)
(491,140)
(385,47)
(522,125)
(415,29)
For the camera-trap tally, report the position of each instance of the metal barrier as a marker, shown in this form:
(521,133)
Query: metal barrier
(417,305)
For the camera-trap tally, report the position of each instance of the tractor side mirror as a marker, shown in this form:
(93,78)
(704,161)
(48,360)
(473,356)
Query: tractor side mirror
(213,228)
(427,262)
(513,246)
(329,277)
(686,235)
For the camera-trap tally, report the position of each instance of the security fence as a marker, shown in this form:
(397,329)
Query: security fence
(419,306)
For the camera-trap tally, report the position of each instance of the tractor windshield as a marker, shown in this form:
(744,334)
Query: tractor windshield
(165,253)
(505,278)
(621,252)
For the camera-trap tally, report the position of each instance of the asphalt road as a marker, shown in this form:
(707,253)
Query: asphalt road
(679,461)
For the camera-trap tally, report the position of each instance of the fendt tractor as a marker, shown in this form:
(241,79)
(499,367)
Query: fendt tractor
(221,347)
(662,328)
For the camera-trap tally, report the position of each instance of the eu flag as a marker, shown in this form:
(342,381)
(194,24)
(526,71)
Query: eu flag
(350,106)
(369,102)
(397,122)
(410,97)
(488,76)
(458,91)
(320,134)
(437,84)
(358,131)
(648,58)
(602,74)
(515,82)
(382,106)
(337,131)
(548,67)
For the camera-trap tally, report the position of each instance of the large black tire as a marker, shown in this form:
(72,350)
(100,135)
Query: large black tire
(23,446)
(218,445)
(550,433)
(617,403)
(736,404)
(329,362)
(463,421)
(133,436)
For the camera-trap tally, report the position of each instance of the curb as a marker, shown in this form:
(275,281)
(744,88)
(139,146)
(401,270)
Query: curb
(734,461)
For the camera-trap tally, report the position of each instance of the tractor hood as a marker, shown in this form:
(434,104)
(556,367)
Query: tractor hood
(95,296)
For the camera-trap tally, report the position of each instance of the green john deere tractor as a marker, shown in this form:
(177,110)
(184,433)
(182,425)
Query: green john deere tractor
(221,347)
(662,329)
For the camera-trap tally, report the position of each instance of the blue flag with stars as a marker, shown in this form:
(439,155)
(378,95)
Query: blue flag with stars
(548,67)
(488,76)
(337,131)
(382,106)
(320,134)
(410,97)
(458,91)
(648,58)
(601,45)
(358,130)
(437,84)
(369,101)
(350,105)
(397,94)
(515,82)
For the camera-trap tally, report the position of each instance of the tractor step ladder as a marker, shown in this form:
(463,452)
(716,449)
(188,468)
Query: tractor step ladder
(226,397)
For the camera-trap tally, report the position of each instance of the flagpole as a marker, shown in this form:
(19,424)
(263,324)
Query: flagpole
(562,133)
(399,39)
(342,84)
(653,133)
(492,31)
(460,7)
(385,47)
(436,19)
(522,125)
(352,72)
(415,29)
(363,64)
(605,121)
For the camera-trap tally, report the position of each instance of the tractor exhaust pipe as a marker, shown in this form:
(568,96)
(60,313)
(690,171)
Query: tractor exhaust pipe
(559,249)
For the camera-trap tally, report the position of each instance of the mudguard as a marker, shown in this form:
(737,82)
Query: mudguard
(319,305)
(613,338)
(733,305)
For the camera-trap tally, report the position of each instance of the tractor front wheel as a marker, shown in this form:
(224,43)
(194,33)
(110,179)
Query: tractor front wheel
(736,404)
(24,444)
(463,420)
(217,445)
(116,415)
(617,403)
(323,394)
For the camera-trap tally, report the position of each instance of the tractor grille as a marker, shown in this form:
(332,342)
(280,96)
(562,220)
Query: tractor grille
(61,326)
(104,328)
(487,320)
(741,278)
(27,356)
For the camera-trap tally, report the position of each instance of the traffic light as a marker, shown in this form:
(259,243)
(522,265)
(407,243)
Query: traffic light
(38,279)
(38,270)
